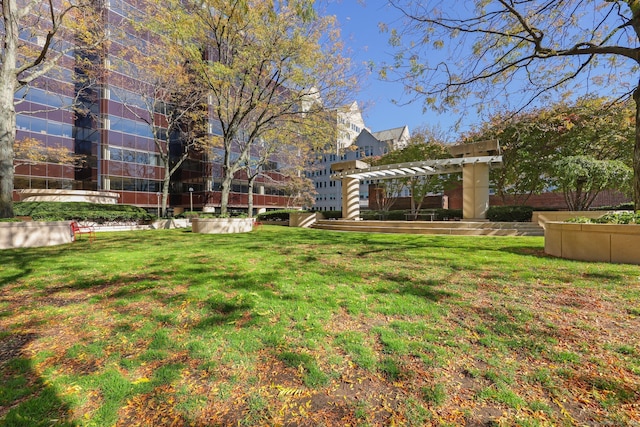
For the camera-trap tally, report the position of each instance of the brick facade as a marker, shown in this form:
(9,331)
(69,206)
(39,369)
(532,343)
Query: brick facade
(540,201)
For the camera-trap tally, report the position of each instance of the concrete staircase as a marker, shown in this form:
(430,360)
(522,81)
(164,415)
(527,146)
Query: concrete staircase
(460,228)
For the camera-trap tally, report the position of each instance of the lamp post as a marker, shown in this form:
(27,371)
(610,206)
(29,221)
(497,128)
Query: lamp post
(158,202)
(191,198)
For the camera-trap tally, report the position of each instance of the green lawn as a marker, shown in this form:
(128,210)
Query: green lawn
(302,327)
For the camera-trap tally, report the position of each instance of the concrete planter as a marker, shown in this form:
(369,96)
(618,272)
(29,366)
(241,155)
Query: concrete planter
(34,234)
(222,225)
(542,217)
(169,223)
(617,243)
(303,219)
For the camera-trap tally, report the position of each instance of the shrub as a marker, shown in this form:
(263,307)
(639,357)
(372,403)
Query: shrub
(369,215)
(393,215)
(400,215)
(612,218)
(510,213)
(10,220)
(382,215)
(80,211)
(331,214)
(621,207)
(278,215)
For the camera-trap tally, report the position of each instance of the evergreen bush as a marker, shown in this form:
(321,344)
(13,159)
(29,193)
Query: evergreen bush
(278,215)
(331,214)
(621,207)
(510,213)
(612,218)
(80,211)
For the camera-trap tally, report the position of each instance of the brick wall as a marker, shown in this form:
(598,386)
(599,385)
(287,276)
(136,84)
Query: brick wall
(545,200)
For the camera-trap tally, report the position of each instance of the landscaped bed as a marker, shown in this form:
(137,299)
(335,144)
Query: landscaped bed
(612,237)
(303,327)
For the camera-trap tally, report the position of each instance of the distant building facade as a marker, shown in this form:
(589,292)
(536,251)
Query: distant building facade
(355,142)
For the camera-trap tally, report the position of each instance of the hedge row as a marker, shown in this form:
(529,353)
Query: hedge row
(80,211)
(279,215)
(621,207)
(400,215)
(205,215)
(510,213)
(612,218)
(283,215)
(83,211)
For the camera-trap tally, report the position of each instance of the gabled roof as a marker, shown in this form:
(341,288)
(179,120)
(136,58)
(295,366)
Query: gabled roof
(390,134)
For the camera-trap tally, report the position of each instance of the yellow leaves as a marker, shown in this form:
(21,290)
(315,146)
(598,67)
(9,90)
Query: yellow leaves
(302,409)
(289,391)
(31,150)
(564,411)
(141,381)
(72,389)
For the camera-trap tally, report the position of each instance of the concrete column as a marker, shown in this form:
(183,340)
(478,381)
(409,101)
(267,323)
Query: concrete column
(351,198)
(475,177)
(350,188)
(475,190)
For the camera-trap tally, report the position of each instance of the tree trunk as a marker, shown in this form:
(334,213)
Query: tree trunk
(227,178)
(251,181)
(7,139)
(8,84)
(636,152)
(414,208)
(165,188)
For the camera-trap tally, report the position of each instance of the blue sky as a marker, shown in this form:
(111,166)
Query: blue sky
(359,25)
(359,22)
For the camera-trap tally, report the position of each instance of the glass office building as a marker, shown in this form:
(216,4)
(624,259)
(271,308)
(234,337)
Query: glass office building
(116,149)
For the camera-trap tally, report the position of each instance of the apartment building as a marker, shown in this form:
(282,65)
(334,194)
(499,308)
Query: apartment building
(355,142)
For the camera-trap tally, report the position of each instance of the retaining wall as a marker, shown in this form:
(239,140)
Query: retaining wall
(618,243)
(222,225)
(34,234)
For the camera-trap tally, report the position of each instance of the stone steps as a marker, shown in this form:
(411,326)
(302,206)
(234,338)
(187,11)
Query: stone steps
(460,228)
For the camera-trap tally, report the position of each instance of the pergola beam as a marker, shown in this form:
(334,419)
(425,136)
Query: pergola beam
(474,161)
(427,167)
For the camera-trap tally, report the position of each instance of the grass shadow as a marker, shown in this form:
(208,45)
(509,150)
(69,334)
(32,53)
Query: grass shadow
(26,400)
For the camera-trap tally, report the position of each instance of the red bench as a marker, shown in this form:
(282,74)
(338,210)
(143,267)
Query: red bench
(82,229)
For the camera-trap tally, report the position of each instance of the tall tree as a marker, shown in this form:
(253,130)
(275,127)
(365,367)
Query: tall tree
(582,178)
(289,147)
(35,36)
(299,190)
(534,140)
(520,48)
(266,64)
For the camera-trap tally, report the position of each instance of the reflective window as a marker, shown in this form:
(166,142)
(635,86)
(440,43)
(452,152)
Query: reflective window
(37,125)
(40,96)
(115,154)
(130,156)
(133,127)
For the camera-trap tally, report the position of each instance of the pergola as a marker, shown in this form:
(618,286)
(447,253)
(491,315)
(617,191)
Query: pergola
(476,160)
